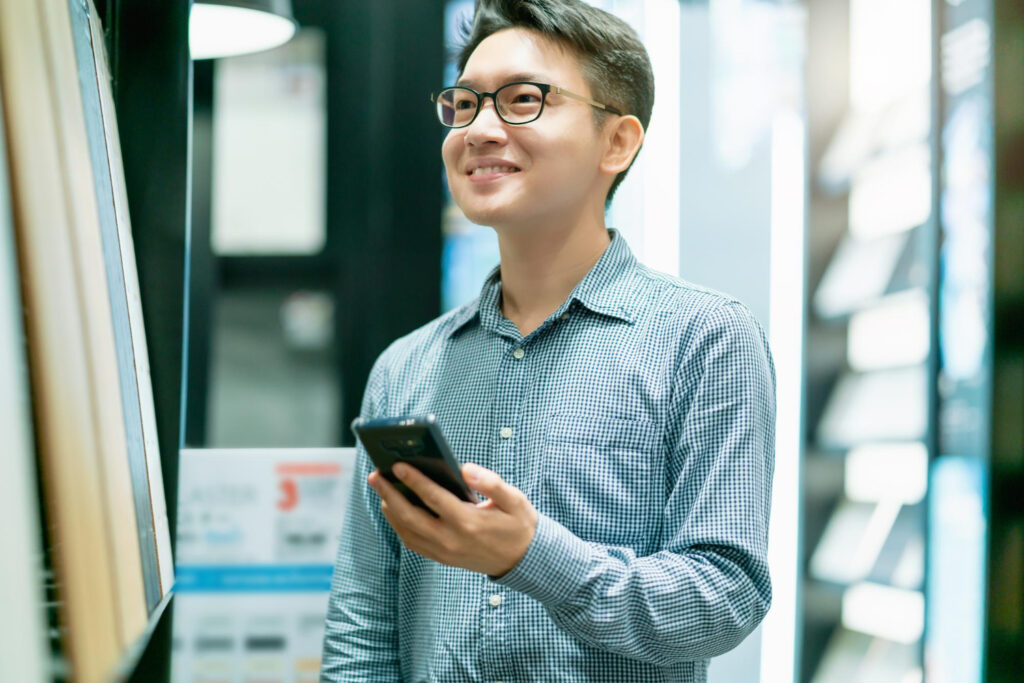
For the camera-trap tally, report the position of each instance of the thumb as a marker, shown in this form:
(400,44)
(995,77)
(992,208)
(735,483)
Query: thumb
(487,482)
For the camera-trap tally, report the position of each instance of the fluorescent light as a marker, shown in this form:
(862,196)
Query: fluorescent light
(852,540)
(915,675)
(887,471)
(966,54)
(886,405)
(852,144)
(891,193)
(859,272)
(890,50)
(863,133)
(226,30)
(894,332)
(852,656)
(891,613)
(882,520)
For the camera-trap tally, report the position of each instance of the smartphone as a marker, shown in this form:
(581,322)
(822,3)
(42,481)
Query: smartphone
(417,441)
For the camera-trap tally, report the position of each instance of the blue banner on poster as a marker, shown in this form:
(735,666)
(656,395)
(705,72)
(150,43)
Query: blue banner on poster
(253,579)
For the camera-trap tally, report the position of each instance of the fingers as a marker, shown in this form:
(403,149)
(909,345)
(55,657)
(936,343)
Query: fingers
(487,482)
(412,540)
(437,498)
(418,531)
(400,512)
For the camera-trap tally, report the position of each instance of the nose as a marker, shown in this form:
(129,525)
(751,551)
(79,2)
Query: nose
(487,126)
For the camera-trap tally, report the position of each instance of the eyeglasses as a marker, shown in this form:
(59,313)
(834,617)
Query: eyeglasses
(516,103)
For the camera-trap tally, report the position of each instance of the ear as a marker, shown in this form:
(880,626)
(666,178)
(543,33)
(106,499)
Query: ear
(623,136)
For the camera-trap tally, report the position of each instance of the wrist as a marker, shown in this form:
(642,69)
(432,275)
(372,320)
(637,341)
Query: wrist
(517,555)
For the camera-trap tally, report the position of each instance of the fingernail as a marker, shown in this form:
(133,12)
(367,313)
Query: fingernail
(471,472)
(399,470)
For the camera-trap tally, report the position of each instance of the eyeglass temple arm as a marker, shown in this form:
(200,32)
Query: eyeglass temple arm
(607,107)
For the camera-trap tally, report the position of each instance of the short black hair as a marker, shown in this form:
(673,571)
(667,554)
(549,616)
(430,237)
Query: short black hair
(614,62)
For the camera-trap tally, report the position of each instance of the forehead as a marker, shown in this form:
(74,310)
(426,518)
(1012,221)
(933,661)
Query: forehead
(518,54)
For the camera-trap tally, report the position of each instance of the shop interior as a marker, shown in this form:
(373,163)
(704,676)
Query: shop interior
(252,191)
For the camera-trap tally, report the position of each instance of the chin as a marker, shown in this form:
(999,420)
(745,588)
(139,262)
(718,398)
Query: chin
(486,217)
(488,213)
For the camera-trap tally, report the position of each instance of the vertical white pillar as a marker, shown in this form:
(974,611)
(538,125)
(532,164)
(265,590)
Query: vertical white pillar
(661,149)
(778,651)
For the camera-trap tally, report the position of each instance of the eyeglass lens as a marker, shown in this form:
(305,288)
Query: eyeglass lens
(516,103)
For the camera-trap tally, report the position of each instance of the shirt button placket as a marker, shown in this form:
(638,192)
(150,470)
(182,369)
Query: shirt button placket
(507,414)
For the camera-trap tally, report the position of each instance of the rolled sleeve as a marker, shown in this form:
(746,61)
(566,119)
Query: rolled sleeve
(550,570)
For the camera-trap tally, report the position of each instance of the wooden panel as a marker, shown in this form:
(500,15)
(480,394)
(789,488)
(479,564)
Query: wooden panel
(129,335)
(23,652)
(94,301)
(72,353)
(158,500)
(115,280)
(61,383)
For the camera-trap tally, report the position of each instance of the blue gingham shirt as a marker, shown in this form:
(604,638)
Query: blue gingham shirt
(639,421)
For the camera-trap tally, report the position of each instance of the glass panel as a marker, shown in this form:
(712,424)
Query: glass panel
(270,143)
(272,382)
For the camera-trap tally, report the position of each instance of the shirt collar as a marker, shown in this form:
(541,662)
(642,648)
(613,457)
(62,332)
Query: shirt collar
(603,290)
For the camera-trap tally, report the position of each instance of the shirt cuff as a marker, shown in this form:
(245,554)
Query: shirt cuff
(554,567)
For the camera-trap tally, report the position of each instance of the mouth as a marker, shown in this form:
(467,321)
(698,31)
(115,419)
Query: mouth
(493,170)
(490,173)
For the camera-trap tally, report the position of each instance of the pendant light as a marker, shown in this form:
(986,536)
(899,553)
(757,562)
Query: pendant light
(223,28)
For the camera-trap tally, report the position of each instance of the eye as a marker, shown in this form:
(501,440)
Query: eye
(526,98)
(465,104)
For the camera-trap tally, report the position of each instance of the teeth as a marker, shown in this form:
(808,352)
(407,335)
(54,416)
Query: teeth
(494,169)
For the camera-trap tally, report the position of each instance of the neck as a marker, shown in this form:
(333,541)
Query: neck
(541,264)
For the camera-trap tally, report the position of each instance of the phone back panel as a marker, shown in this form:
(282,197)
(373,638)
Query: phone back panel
(417,442)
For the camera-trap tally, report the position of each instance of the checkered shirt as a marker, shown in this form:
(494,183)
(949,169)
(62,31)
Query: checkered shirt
(639,420)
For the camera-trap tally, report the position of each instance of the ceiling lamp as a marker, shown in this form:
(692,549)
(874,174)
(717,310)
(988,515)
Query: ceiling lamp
(223,28)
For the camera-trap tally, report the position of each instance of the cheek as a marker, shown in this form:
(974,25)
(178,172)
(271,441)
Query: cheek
(449,150)
(450,157)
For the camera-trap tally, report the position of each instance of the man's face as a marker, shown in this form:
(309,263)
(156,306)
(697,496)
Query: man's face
(555,157)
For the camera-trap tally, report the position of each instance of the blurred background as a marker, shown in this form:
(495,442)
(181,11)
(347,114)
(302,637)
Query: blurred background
(850,169)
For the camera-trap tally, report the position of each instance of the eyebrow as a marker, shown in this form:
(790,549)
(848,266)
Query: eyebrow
(511,78)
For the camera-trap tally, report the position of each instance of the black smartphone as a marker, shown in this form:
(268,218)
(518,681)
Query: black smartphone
(417,441)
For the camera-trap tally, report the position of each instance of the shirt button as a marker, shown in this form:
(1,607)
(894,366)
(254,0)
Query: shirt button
(518,353)
(506,432)
(564,316)
(495,600)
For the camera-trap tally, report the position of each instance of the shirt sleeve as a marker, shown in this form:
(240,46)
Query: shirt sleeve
(361,637)
(708,586)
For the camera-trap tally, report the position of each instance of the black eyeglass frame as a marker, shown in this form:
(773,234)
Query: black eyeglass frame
(545,89)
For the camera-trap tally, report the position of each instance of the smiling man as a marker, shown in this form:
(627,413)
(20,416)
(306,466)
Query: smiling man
(618,422)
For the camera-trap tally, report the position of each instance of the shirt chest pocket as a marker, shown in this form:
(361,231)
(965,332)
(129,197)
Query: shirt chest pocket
(603,478)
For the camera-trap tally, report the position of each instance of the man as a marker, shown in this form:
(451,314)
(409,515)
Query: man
(618,422)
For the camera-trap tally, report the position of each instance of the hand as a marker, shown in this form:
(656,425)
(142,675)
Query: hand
(489,537)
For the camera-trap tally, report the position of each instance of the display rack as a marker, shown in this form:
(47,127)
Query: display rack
(911,529)
(871,362)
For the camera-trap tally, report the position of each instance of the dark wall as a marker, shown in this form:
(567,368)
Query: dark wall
(1005,647)
(382,259)
(147,43)
(152,82)
(384,179)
